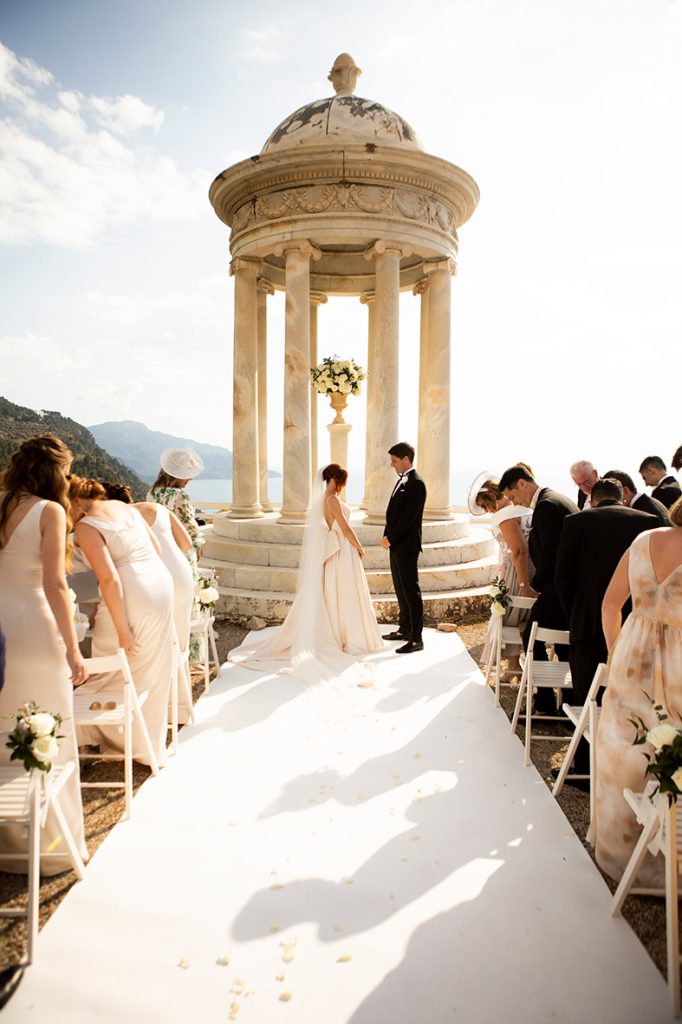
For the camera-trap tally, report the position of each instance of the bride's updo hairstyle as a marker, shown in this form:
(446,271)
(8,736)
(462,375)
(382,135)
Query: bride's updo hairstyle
(335,472)
(489,495)
(39,467)
(86,490)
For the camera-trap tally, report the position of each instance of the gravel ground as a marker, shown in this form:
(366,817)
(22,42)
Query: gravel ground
(102,810)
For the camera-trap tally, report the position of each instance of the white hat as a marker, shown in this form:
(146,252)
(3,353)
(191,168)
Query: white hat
(476,486)
(182,463)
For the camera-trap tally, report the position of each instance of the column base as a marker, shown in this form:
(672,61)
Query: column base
(246,512)
(292,518)
(375,519)
(439,513)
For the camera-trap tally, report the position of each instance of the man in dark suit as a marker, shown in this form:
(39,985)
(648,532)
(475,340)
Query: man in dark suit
(403,540)
(591,546)
(549,512)
(665,488)
(632,498)
(584,476)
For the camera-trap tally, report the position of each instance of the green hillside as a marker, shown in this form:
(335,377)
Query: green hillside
(18,423)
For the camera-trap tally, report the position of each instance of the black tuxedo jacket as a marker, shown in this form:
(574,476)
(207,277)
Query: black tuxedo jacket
(545,530)
(668,491)
(581,499)
(655,508)
(592,544)
(404,515)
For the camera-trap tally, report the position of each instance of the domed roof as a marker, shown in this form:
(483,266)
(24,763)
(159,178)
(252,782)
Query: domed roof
(342,117)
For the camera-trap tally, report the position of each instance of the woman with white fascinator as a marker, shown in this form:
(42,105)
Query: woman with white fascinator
(510,526)
(178,467)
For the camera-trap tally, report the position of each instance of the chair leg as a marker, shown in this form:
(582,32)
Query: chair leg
(529,711)
(186,680)
(214,649)
(76,860)
(175,681)
(204,651)
(33,873)
(570,755)
(672,910)
(519,699)
(498,660)
(593,765)
(128,753)
(634,864)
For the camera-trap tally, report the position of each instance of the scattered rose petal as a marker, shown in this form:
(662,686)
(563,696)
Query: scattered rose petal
(348,881)
(280,977)
(311,799)
(416,754)
(403,860)
(361,796)
(274,928)
(344,959)
(413,839)
(276,885)
(395,775)
(284,997)
(95,706)
(185,962)
(224,960)
(234,1010)
(338,928)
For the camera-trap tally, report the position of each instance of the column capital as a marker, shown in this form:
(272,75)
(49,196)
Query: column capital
(445,264)
(245,265)
(421,287)
(384,245)
(366,298)
(317,298)
(301,245)
(265,287)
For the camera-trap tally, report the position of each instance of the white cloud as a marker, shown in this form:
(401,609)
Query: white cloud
(261,44)
(69,170)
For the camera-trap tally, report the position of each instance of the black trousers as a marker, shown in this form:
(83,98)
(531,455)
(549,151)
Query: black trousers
(547,612)
(406,585)
(585,654)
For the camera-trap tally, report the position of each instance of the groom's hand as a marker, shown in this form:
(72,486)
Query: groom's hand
(385,543)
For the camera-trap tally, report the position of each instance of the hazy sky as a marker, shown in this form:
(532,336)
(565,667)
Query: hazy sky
(567,327)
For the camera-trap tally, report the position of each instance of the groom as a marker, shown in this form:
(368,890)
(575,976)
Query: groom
(403,540)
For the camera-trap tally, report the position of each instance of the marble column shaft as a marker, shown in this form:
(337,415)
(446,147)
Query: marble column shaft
(422,289)
(316,300)
(367,298)
(382,405)
(434,458)
(245,483)
(297,390)
(264,289)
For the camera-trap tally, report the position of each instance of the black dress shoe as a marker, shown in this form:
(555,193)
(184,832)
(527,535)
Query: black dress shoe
(409,647)
(394,636)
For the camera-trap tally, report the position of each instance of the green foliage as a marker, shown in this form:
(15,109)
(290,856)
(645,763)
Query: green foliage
(18,423)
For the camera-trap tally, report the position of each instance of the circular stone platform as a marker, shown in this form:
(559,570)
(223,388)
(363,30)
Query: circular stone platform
(256,562)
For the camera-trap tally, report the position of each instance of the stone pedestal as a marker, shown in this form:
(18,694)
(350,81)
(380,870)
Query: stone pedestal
(264,289)
(382,402)
(434,398)
(297,390)
(339,431)
(245,468)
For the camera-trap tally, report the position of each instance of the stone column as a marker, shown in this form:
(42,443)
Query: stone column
(297,390)
(245,491)
(367,298)
(264,289)
(316,300)
(434,398)
(382,407)
(422,289)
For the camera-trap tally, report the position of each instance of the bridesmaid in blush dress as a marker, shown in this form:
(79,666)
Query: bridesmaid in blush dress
(136,612)
(43,659)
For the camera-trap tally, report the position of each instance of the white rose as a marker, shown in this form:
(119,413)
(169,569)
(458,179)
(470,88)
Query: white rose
(41,724)
(677,778)
(493,590)
(45,749)
(345,389)
(209,595)
(336,367)
(497,608)
(661,735)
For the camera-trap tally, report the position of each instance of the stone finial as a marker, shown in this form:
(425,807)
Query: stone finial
(344,75)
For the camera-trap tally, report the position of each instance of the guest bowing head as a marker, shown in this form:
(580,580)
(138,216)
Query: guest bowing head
(83,492)
(117,492)
(518,485)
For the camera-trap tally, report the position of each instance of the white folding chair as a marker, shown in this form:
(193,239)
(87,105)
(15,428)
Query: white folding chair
(503,635)
(585,719)
(661,833)
(202,626)
(541,675)
(25,801)
(181,684)
(128,710)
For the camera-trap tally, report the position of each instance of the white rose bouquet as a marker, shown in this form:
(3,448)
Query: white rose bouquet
(666,764)
(499,592)
(35,738)
(207,593)
(337,375)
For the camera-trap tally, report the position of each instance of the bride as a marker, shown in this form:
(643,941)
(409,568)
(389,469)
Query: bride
(331,621)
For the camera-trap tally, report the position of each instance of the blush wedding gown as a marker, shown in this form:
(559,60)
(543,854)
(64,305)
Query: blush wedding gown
(331,622)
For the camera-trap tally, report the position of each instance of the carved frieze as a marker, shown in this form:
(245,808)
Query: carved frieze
(313,200)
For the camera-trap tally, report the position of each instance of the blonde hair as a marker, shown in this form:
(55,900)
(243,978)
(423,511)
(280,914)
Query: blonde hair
(675,513)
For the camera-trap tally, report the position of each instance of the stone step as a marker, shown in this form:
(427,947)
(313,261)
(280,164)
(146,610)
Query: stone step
(477,544)
(282,580)
(445,606)
(268,530)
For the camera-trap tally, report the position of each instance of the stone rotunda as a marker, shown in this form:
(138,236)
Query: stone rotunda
(342,200)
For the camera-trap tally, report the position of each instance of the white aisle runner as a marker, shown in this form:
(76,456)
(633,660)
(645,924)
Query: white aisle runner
(378,856)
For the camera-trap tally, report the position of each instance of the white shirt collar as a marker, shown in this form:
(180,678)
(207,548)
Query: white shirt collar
(534,499)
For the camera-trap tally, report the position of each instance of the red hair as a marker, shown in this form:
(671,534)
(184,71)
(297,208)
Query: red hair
(335,472)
